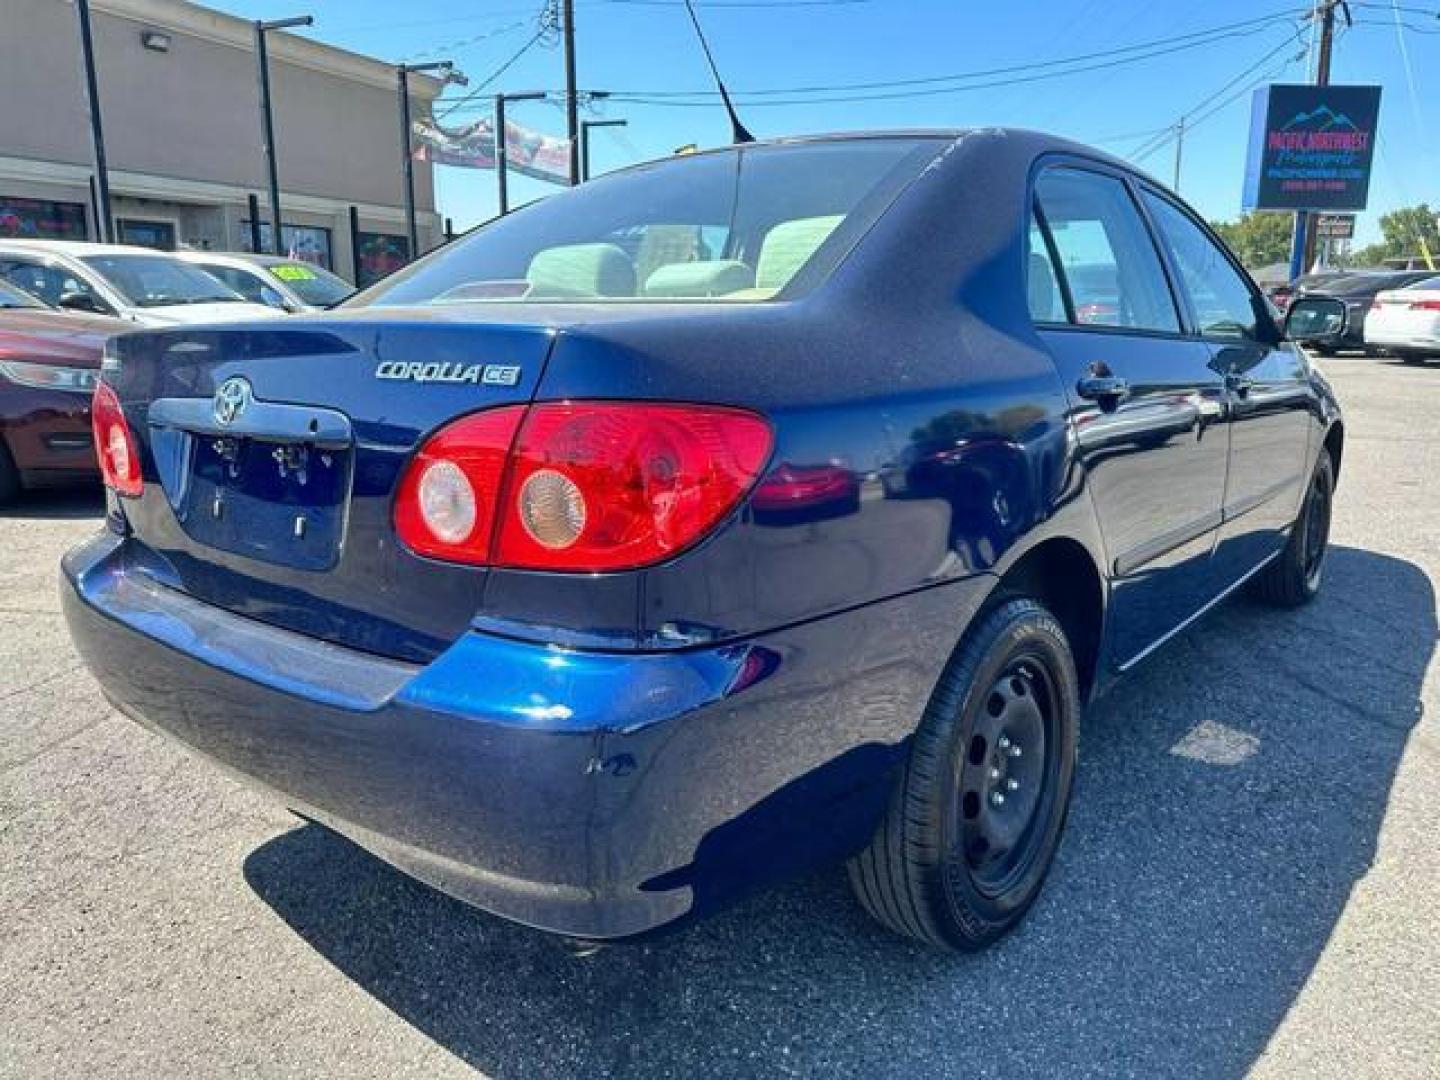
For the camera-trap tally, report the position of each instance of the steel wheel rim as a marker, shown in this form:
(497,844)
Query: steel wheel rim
(1008,775)
(1316,536)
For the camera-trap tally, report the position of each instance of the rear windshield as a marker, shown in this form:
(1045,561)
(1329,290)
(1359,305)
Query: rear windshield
(312,284)
(742,225)
(159,281)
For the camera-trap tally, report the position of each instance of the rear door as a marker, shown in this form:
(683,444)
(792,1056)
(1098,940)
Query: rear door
(1268,383)
(1147,406)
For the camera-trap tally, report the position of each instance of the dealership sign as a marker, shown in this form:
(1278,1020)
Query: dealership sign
(473,147)
(1311,147)
(1335,226)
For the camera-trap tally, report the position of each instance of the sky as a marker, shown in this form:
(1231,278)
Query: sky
(1126,103)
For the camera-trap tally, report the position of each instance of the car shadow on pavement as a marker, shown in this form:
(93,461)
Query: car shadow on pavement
(57,503)
(1229,797)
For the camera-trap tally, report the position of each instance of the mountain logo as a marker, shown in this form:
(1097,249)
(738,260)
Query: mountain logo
(1322,118)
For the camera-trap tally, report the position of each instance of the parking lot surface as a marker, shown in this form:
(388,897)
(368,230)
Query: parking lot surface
(1249,883)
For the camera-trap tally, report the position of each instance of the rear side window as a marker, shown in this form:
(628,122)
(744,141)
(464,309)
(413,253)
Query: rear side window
(1107,258)
(1224,305)
(1042,286)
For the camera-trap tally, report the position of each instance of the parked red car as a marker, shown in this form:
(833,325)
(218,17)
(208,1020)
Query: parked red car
(49,363)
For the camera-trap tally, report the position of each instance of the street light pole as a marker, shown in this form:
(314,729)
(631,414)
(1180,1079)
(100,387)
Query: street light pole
(586,126)
(407,162)
(502,182)
(267,122)
(105,224)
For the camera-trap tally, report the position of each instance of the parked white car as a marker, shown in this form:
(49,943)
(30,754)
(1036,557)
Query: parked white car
(152,288)
(1406,321)
(278,282)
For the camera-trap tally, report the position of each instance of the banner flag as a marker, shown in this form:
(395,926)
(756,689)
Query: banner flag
(527,152)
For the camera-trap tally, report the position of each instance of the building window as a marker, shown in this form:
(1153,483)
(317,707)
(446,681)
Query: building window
(151,234)
(39,219)
(380,254)
(309,243)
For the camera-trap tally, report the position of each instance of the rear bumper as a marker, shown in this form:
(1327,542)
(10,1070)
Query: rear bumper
(595,795)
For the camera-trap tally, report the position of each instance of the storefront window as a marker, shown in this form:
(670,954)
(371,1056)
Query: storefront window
(309,243)
(39,219)
(380,254)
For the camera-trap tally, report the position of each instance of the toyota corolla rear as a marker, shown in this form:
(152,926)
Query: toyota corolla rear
(466,568)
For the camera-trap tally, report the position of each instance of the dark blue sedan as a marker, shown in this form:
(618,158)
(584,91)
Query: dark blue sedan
(723,517)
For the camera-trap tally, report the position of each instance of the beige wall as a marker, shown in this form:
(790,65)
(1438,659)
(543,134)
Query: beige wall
(192,114)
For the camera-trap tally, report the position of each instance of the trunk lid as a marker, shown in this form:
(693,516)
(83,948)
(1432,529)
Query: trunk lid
(272,452)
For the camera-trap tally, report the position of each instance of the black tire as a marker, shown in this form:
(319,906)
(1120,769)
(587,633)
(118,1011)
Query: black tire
(931,871)
(1294,577)
(9,477)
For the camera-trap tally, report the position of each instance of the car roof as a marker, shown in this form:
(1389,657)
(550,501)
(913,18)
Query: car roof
(1039,141)
(79,248)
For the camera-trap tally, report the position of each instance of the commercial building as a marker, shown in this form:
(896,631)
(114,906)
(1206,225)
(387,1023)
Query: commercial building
(180,104)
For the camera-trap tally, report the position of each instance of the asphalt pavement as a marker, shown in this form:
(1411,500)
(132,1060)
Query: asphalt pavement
(1250,881)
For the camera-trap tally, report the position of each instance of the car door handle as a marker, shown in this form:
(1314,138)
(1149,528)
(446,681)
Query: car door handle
(1106,389)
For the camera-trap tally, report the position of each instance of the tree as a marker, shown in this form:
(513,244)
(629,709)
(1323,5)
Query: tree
(1259,238)
(1404,230)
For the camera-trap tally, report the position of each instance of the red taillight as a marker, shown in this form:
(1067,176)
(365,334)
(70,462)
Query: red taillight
(586,486)
(1425,305)
(114,444)
(447,500)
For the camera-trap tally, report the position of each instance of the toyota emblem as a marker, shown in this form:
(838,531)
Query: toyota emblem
(231,400)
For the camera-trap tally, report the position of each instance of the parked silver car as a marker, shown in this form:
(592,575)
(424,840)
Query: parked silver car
(152,288)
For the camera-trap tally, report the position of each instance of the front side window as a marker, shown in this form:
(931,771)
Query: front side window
(737,225)
(1224,305)
(1108,260)
(157,281)
(12,296)
(50,283)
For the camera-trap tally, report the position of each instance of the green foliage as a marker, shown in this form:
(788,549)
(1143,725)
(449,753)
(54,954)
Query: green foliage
(1404,230)
(1259,238)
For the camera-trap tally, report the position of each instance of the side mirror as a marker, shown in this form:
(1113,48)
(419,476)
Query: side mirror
(80,301)
(1315,321)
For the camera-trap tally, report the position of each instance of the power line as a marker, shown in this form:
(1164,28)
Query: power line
(1203,110)
(1192,39)
(480,87)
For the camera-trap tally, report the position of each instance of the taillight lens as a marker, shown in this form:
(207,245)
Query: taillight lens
(586,486)
(447,499)
(114,444)
(1425,305)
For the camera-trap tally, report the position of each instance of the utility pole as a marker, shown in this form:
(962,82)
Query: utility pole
(572,98)
(502,181)
(104,224)
(587,126)
(1179,150)
(1302,250)
(407,160)
(267,120)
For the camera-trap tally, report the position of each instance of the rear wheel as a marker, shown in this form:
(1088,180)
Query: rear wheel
(976,819)
(9,476)
(1294,577)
